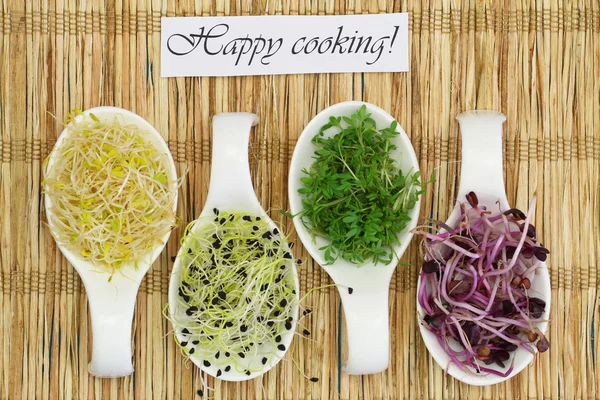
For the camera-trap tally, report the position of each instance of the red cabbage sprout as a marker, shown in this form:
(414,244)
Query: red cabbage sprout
(474,286)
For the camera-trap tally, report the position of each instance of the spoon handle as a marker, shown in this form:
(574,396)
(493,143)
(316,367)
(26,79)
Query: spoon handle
(367,326)
(481,170)
(111,312)
(230,182)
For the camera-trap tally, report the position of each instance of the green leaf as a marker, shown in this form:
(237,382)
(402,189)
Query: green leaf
(349,219)
(352,232)
(353,193)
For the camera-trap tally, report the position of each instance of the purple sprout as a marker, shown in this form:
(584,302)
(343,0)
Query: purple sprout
(474,286)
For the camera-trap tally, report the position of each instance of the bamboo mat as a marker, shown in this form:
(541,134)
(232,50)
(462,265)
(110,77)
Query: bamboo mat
(538,61)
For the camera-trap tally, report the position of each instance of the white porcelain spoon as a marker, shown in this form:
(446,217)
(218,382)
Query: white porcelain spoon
(231,190)
(366,309)
(481,172)
(112,303)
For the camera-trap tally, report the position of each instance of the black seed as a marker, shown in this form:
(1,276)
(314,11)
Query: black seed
(242,355)
(222,221)
(313,379)
(299,262)
(270,323)
(228,368)
(271,253)
(278,338)
(264,360)
(279,278)
(217,219)
(275,231)
(247,372)
(215,236)
(185,331)
(307,311)
(196,342)
(215,301)
(246,218)
(219,373)
(291,245)
(276,313)
(260,318)
(282,267)
(254,228)
(184,344)
(288,325)
(294,291)
(283,303)
(281,347)
(216,211)
(228,324)
(227,354)
(287,255)
(189,251)
(200,392)
(191,310)
(267,235)
(306,332)
(350,290)
(248,300)
(243,328)
(206,281)
(192,351)
(222,295)
(231,217)
(258,218)
(206,363)
(264,287)
(173,258)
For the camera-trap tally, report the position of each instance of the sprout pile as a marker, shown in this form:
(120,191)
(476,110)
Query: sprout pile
(236,296)
(112,199)
(475,286)
(354,194)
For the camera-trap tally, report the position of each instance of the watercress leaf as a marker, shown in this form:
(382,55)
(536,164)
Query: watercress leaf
(350,218)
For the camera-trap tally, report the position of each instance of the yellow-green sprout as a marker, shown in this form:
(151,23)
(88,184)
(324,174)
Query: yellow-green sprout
(111,196)
(237,296)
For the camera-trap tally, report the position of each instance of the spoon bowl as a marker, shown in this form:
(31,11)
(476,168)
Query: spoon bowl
(112,302)
(366,307)
(481,172)
(231,190)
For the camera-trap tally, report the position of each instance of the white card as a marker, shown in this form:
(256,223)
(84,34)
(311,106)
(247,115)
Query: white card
(270,45)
